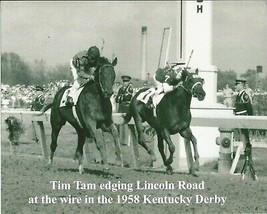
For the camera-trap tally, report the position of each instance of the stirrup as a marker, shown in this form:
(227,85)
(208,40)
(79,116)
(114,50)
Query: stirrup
(150,104)
(69,101)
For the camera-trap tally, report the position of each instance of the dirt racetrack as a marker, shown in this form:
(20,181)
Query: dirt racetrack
(26,186)
(24,177)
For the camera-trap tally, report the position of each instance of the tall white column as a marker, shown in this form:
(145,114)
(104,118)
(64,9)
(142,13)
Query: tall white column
(144,53)
(198,37)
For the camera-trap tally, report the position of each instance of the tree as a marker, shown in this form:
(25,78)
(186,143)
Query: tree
(264,83)
(39,69)
(251,77)
(60,72)
(226,77)
(14,69)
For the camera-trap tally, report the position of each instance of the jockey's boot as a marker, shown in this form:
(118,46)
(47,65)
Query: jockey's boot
(69,102)
(149,103)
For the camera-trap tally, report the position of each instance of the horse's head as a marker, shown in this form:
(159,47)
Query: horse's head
(193,84)
(106,77)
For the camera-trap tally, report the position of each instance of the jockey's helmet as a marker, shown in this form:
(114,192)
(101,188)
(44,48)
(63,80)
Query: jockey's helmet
(93,52)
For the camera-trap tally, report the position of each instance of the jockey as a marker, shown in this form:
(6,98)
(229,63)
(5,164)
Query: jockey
(82,66)
(166,80)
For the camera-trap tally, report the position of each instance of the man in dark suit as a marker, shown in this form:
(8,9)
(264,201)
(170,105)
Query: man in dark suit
(243,106)
(125,94)
(123,98)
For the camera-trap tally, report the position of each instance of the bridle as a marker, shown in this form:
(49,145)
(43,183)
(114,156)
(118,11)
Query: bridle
(99,76)
(191,91)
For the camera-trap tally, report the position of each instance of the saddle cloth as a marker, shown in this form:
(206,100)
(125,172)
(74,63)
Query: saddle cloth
(145,96)
(75,97)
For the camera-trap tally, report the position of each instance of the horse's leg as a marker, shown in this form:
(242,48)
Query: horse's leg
(81,140)
(79,149)
(56,127)
(112,129)
(167,138)
(187,133)
(141,138)
(161,148)
(101,147)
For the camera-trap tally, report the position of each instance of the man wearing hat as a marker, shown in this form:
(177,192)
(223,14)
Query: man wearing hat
(38,98)
(123,98)
(125,94)
(243,106)
(82,66)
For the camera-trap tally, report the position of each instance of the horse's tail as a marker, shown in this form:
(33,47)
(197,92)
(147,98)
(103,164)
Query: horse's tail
(44,109)
(127,118)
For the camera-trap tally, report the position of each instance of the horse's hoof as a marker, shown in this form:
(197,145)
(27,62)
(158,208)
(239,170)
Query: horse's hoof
(192,172)
(153,157)
(196,165)
(169,171)
(81,169)
(106,168)
(48,165)
(118,163)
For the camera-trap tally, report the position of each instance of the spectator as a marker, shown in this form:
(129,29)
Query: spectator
(243,106)
(116,88)
(38,99)
(125,94)
(228,96)
(123,98)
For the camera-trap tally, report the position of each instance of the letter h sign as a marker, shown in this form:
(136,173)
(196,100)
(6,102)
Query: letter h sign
(199,6)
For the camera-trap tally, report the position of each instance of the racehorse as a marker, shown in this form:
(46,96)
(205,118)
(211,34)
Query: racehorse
(172,116)
(94,111)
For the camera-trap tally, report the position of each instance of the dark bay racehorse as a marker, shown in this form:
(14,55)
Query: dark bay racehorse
(94,111)
(173,116)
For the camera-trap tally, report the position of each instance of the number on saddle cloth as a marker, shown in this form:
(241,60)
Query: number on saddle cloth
(75,96)
(145,96)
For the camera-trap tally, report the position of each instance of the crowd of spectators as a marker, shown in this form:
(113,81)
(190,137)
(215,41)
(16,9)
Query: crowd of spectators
(22,96)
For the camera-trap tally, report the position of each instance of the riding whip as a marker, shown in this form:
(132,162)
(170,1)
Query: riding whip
(103,43)
(189,58)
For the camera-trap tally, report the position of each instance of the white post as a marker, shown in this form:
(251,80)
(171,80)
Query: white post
(198,36)
(168,46)
(144,53)
(195,25)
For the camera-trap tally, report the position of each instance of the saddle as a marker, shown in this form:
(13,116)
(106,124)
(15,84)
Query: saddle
(145,96)
(150,98)
(75,97)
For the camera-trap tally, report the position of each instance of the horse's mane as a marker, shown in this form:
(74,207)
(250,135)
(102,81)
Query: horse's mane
(103,60)
(185,74)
